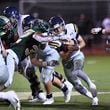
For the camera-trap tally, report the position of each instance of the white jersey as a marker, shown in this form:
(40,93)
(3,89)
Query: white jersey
(50,53)
(3,68)
(71,32)
(20,26)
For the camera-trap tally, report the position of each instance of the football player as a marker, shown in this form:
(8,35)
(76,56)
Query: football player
(18,52)
(103,31)
(28,24)
(100,30)
(7,36)
(25,67)
(15,17)
(50,60)
(72,57)
(10,95)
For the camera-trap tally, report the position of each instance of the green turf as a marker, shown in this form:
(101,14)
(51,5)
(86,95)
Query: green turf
(97,67)
(76,103)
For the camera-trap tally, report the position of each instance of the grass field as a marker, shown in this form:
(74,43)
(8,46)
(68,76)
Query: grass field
(97,67)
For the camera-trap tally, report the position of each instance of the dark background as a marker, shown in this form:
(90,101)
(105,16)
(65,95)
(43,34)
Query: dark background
(94,11)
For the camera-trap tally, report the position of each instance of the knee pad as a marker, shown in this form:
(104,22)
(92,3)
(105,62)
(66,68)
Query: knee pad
(58,75)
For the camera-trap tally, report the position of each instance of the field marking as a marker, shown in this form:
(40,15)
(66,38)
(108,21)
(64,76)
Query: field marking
(26,95)
(91,62)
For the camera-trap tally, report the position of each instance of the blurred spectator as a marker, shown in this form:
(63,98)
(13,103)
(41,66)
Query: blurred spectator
(106,31)
(36,15)
(106,22)
(84,24)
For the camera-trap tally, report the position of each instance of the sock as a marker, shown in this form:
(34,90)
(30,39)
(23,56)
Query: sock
(64,88)
(49,96)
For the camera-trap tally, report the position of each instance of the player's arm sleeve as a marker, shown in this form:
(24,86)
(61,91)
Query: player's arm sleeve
(44,39)
(39,38)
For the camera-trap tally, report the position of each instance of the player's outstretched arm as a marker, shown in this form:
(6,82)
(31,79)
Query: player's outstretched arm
(100,30)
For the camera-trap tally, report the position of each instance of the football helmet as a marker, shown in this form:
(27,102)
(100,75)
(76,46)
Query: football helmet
(4,23)
(55,23)
(40,26)
(11,12)
(28,21)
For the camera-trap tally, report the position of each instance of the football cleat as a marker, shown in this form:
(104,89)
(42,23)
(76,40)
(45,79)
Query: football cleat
(40,98)
(49,101)
(95,101)
(67,94)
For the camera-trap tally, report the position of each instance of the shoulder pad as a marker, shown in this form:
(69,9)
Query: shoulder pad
(27,33)
(72,27)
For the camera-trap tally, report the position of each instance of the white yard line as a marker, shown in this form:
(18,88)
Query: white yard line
(25,95)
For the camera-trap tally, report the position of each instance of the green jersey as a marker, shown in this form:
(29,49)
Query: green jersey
(8,37)
(23,43)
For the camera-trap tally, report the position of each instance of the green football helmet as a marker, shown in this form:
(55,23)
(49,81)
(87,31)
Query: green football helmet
(40,26)
(5,25)
(3,21)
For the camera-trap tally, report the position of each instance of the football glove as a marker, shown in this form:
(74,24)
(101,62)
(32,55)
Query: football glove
(96,30)
(34,50)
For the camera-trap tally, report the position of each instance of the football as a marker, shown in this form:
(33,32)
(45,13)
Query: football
(69,46)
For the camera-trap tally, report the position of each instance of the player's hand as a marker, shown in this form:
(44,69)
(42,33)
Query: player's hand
(96,30)
(34,50)
(27,52)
